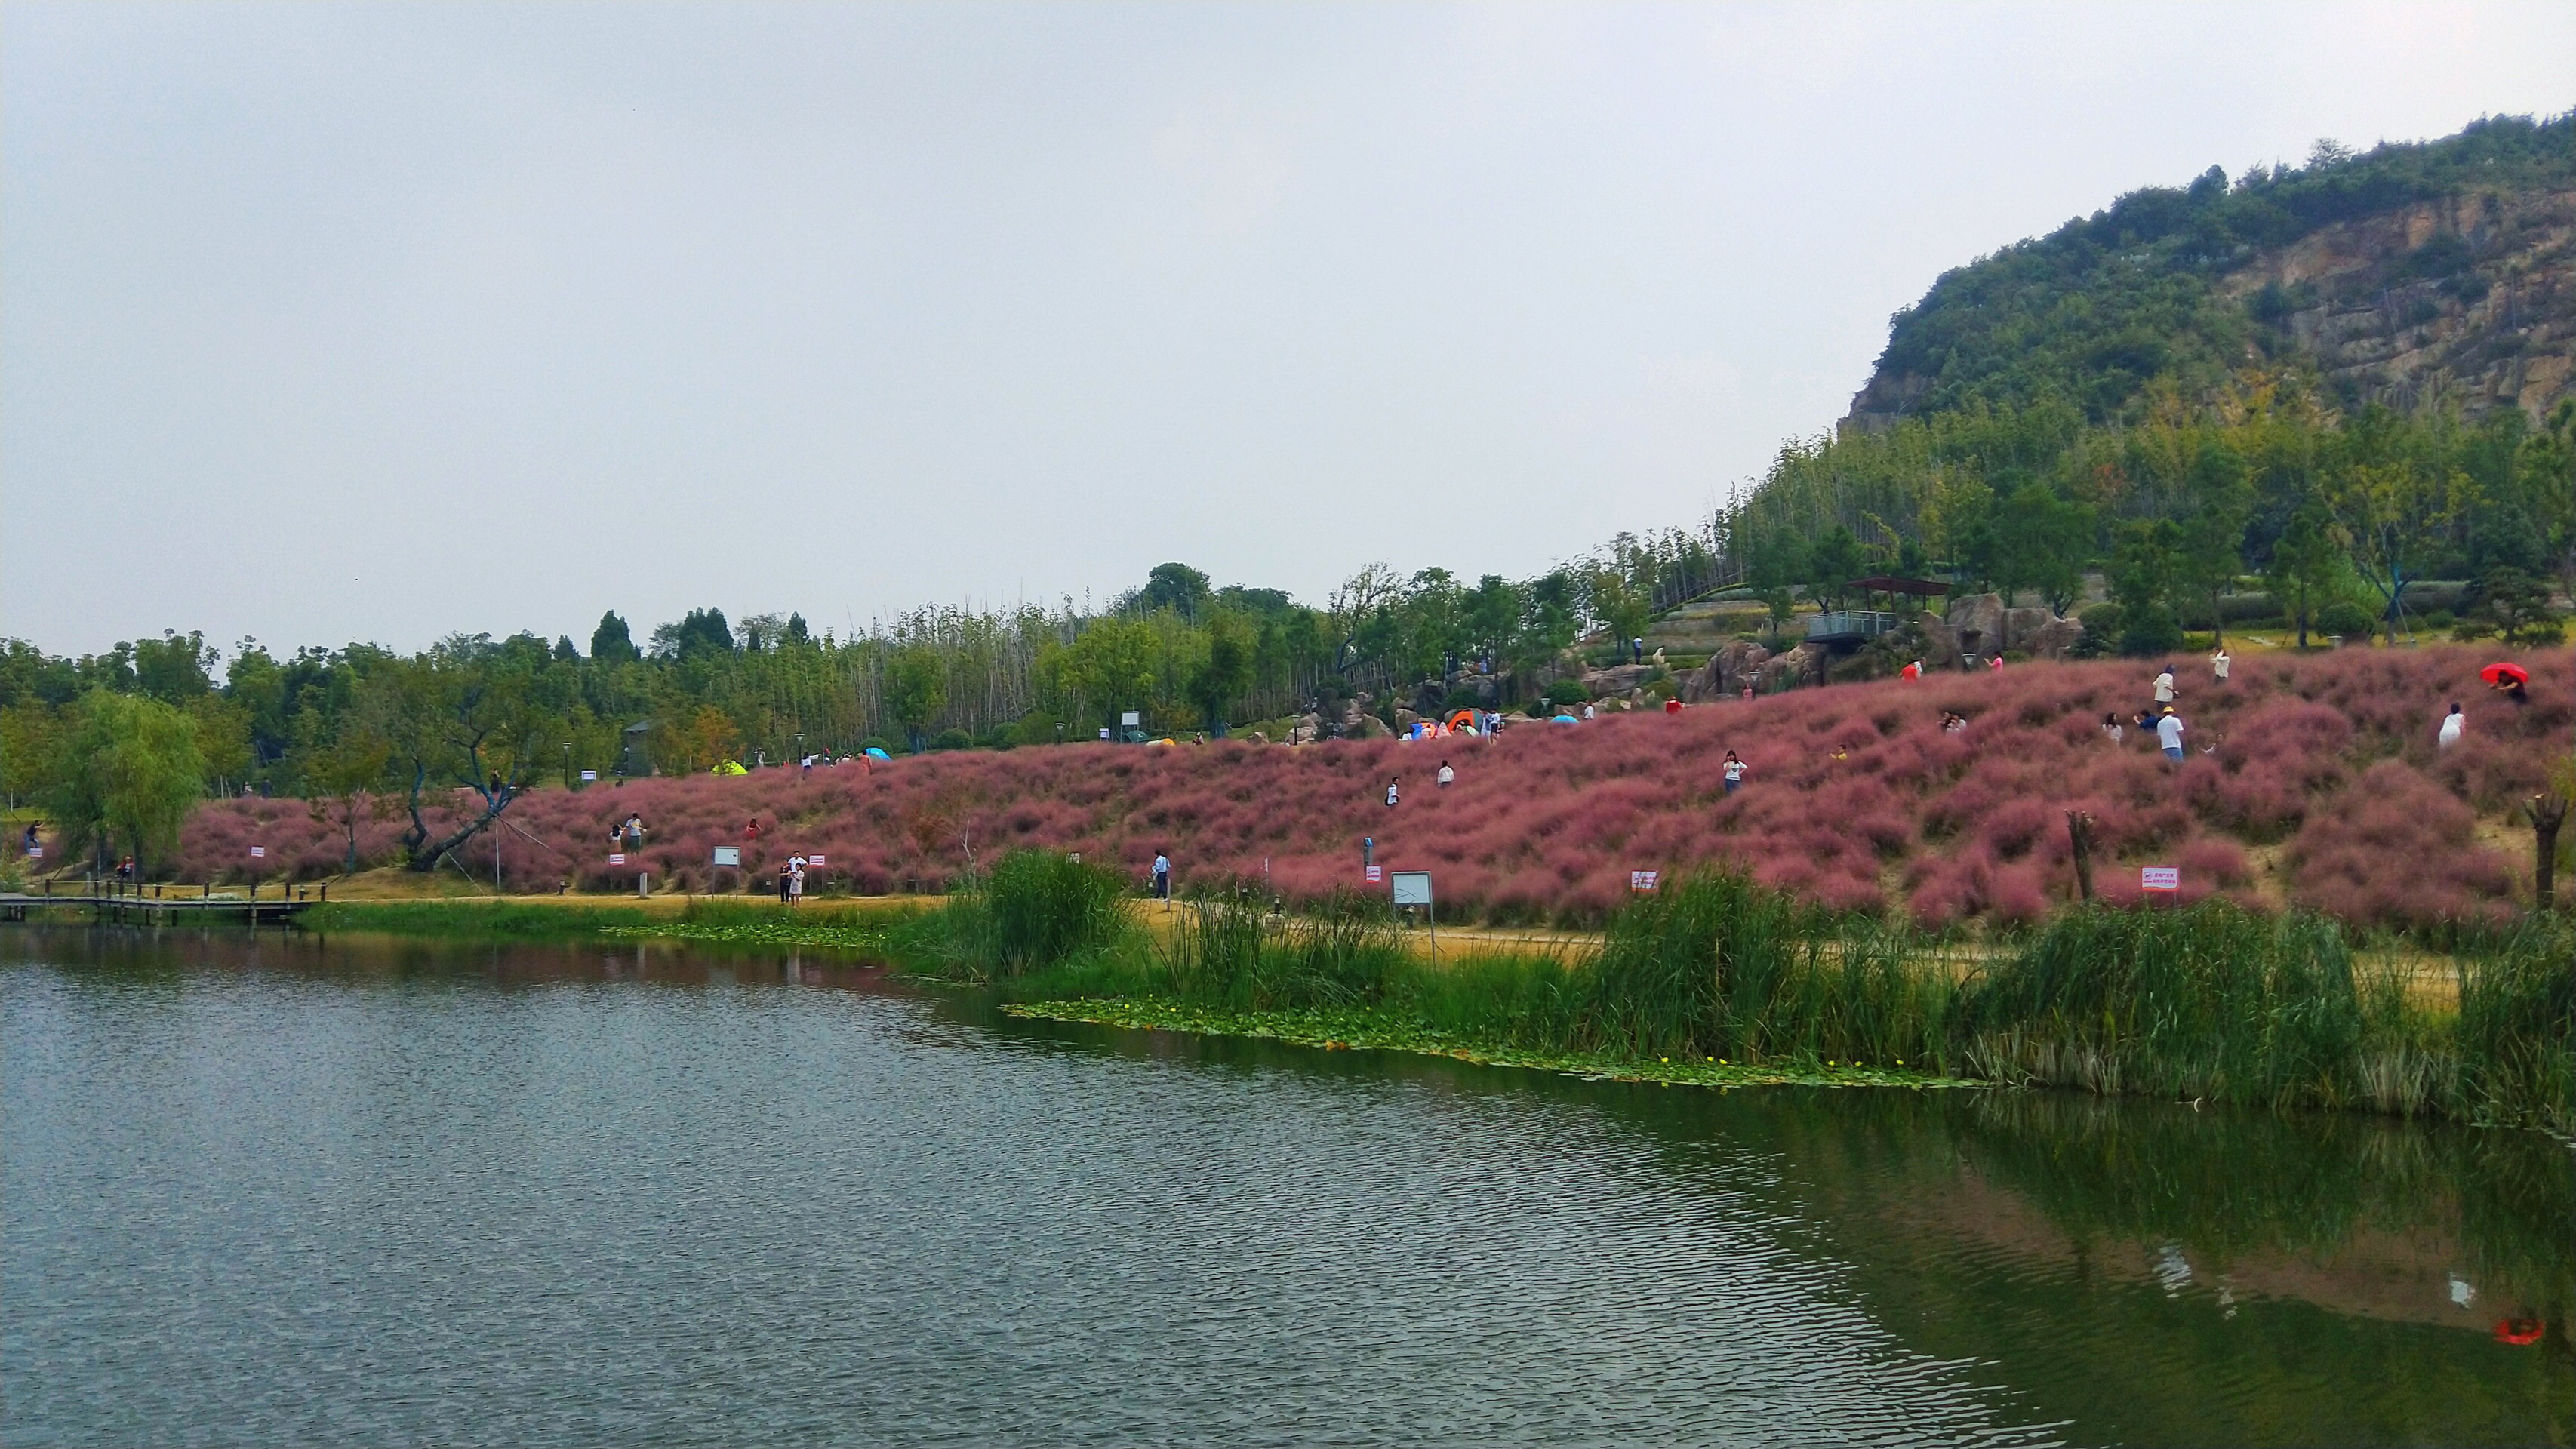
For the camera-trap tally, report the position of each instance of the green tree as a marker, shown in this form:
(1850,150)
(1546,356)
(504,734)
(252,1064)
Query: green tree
(1836,560)
(2392,511)
(344,776)
(916,690)
(2144,565)
(611,643)
(2514,607)
(128,769)
(2301,574)
(1223,675)
(1177,587)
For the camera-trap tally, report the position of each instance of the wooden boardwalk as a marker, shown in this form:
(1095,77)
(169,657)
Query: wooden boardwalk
(159,906)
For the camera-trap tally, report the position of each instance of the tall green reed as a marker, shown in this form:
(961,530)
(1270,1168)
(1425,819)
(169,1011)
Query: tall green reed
(2516,1037)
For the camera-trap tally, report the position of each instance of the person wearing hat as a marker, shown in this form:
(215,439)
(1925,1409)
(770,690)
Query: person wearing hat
(2169,734)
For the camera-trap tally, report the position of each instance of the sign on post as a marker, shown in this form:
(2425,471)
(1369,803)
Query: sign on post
(1642,880)
(617,857)
(815,859)
(729,855)
(2159,878)
(1413,888)
(589,775)
(259,852)
(1130,719)
(1376,873)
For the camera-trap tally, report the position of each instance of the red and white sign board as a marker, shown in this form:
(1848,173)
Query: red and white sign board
(815,859)
(1376,873)
(1641,880)
(2159,878)
(617,857)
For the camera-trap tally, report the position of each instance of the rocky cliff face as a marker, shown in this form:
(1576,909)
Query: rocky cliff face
(2472,299)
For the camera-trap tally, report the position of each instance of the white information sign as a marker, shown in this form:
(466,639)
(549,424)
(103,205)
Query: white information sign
(590,774)
(1130,719)
(729,855)
(1413,887)
(1642,880)
(815,859)
(259,852)
(1375,874)
(2159,878)
(617,857)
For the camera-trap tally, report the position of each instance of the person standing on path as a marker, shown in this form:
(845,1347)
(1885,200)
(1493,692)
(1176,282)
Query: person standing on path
(1391,794)
(2219,662)
(795,880)
(2452,724)
(1735,770)
(1163,878)
(1446,775)
(2169,734)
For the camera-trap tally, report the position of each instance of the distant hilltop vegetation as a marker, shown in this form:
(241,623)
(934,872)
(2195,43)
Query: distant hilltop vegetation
(2419,275)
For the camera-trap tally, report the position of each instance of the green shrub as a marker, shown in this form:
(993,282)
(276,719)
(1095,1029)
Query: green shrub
(2346,618)
(1567,691)
(952,738)
(1036,911)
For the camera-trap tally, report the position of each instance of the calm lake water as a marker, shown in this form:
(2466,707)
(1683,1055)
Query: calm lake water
(289,1190)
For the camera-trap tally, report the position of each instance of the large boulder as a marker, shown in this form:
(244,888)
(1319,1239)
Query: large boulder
(1977,622)
(2052,640)
(1980,624)
(1802,665)
(1729,670)
(1616,680)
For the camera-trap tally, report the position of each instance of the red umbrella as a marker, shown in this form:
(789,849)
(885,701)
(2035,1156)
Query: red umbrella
(2499,673)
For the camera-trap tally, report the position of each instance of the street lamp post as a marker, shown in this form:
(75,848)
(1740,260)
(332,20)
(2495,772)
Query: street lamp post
(567,764)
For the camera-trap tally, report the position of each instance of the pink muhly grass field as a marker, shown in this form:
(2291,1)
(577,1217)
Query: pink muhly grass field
(1857,800)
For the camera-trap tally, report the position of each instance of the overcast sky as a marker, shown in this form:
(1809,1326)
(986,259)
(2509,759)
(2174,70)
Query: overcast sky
(326,323)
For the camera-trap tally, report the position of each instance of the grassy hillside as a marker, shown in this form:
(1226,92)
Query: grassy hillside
(2311,780)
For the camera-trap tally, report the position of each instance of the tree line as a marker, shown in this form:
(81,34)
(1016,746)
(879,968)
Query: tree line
(2336,516)
(362,728)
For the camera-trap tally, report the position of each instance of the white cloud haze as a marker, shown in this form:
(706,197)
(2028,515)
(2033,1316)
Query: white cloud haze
(365,322)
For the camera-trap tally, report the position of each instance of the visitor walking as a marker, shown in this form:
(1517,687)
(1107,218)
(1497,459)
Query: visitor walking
(1587,709)
(1911,672)
(1637,651)
(1163,878)
(2165,685)
(2111,727)
(751,828)
(1391,794)
(1446,776)
(786,869)
(795,880)
(2452,724)
(1735,770)
(2169,734)
(28,842)
(2219,662)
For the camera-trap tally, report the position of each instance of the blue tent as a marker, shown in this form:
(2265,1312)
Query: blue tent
(877,754)
(1565,719)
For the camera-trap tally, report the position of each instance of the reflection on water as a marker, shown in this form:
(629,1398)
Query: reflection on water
(299,1190)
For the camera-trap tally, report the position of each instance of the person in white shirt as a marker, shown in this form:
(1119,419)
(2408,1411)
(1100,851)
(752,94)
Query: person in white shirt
(1446,774)
(2165,685)
(2452,724)
(2111,727)
(2218,663)
(2169,734)
(1390,794)
(1735,771)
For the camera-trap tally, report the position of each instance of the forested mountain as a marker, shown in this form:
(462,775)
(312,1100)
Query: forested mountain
(2342,379)
(2443,271)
